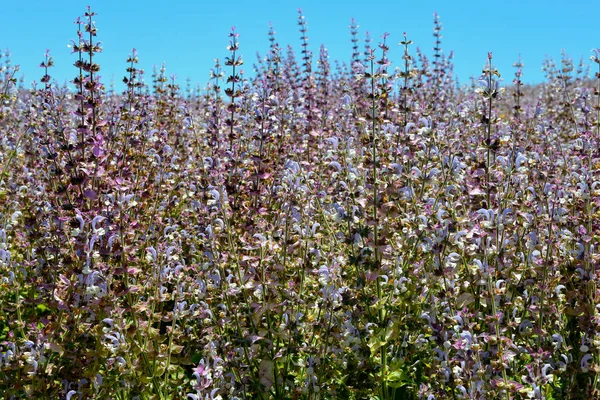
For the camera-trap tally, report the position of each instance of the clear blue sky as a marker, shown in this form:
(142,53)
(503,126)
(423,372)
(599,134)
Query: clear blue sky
(189,35)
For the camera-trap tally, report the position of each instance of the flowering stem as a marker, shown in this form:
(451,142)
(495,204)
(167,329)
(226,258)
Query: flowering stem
(497,331)
(264,284)
(374,114)
(92,33)
(171,334)
(598,100)
(490,94)
(405,109)
(79,83)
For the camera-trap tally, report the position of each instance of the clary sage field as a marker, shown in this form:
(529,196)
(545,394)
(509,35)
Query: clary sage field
(312,231)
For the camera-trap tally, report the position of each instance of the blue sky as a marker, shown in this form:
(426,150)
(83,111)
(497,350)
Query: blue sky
(189,35)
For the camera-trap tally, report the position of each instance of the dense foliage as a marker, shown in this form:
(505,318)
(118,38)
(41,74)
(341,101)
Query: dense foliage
(311,232)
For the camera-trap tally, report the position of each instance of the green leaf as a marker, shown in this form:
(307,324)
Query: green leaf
(55,347)
(375,343)
(196,357)
(398,378)
(266,373)
(464,300)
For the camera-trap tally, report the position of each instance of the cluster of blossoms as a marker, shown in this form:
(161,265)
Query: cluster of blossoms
(312,231)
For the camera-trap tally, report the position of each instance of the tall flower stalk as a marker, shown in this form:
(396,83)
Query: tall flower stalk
(406,74)
(379,93)
(233,92)
(596,59)
(489,90)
